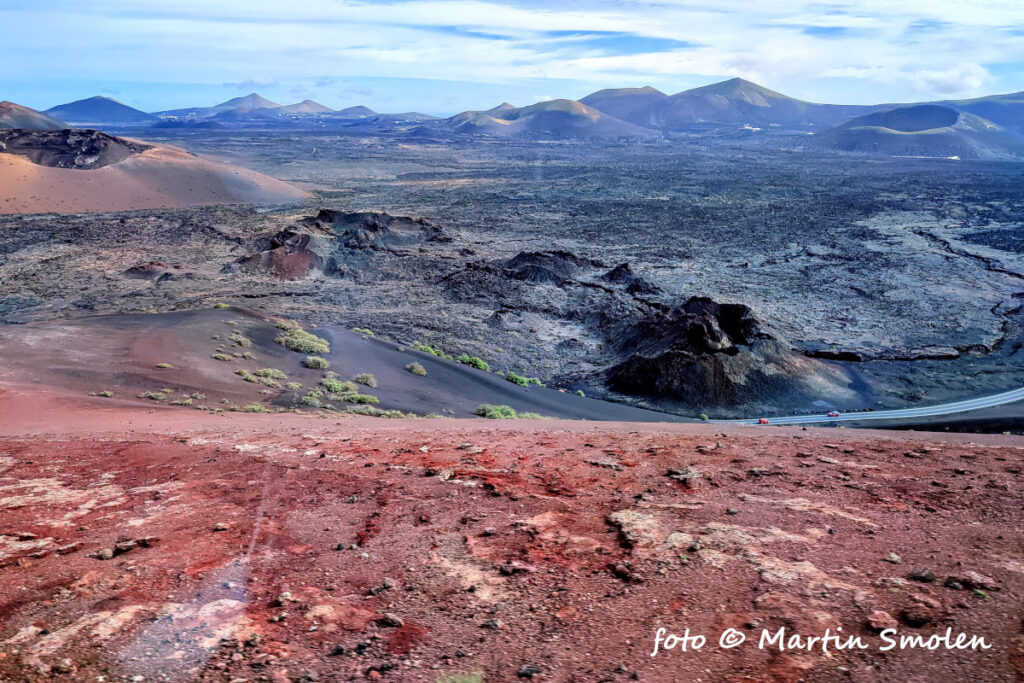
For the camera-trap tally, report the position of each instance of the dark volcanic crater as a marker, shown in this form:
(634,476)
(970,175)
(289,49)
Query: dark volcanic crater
(77,149)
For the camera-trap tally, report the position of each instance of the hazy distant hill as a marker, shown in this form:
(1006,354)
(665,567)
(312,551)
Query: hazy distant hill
(355,111)
(926,130)
(99,109)
(303,107)
(555,119)
(1005,110)
(16,116)
(634,105)
(237,105)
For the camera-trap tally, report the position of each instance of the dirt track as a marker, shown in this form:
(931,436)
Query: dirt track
(477,547)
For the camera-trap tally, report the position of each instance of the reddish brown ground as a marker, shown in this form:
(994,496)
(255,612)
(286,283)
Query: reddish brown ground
(495,546)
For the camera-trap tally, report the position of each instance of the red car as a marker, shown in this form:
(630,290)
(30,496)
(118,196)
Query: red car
(764,421)
(833,413)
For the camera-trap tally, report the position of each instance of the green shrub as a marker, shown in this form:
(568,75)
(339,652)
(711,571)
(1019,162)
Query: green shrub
(294,386)
(254,408)
(222,356)
(311,401)
(361,398)
(267,382)
(517,379)
(220,305)
(579,392)
(297,339)
(335,386)
(416,369)
(420,346)
(154,395)
(494,412)
(366,379)
(363,330)
(375,412)
(164,366)
(704,417)
(240,339)
(105,394)
(182,402)
(474,362)
(316,363)
(272,373)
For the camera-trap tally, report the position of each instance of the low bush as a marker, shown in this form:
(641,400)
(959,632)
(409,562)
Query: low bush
(363,330)
(493,412)
(416,369)
(164,366)
(297,339)
(272,373)
(316,363)
(364,399)
(474,362)
(366,379)
(336,386)
(222,356)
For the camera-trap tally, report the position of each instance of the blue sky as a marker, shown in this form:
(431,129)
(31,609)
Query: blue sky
(445,56)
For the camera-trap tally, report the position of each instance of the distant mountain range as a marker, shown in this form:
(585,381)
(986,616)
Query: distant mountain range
(986,127)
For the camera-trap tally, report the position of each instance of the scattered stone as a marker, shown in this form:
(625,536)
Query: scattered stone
(390,620)
(104,554)
(976,580)
(337,651)
(493,624)
(64,666)
(284,598)
(893,558)
(732,511)
(881,621)
(69,548)
(528,671)
(952,583)
(916,616)
(221,526)
(922,575)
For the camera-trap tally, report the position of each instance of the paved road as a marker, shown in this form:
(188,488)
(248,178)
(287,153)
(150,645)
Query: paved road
(903,413)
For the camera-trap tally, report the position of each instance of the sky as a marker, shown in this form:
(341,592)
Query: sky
(445,56)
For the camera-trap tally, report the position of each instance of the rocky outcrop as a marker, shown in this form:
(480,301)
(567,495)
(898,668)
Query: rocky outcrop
(623,274)
(78,149)
(376,230)
(704,353)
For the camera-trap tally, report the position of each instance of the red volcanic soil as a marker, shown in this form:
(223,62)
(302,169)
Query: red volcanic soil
(177,545)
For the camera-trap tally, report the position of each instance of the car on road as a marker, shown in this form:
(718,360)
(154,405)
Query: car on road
(764,421)
(833,413)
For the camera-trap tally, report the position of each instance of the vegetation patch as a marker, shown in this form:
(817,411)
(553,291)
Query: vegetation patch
(336,386)
(222,356)
(493,412)
(220,305)
(522,381)
(254,408)
(366,379)
(240,339)
(316,363)
(164,366)
(365,399)
(272,373)
(416,369)
(297,339)
(474,362)
(154,395)
(363,330)
(420,346)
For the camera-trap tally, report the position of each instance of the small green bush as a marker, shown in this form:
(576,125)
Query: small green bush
(493,412)
(222,356)
(474,362)
(294,386)
(704,417)
(154,395)
(517,379)
(316,363)
(240,339)
(267,382)
(105,394)
(420,346)
(363,330)
(297,339)
(311,401)
(254,408)
(365,399)
(164,366)
(579,392)
(220,305)
(182,402)
(366,379)
(272,373)
(416,369)
(335,386)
